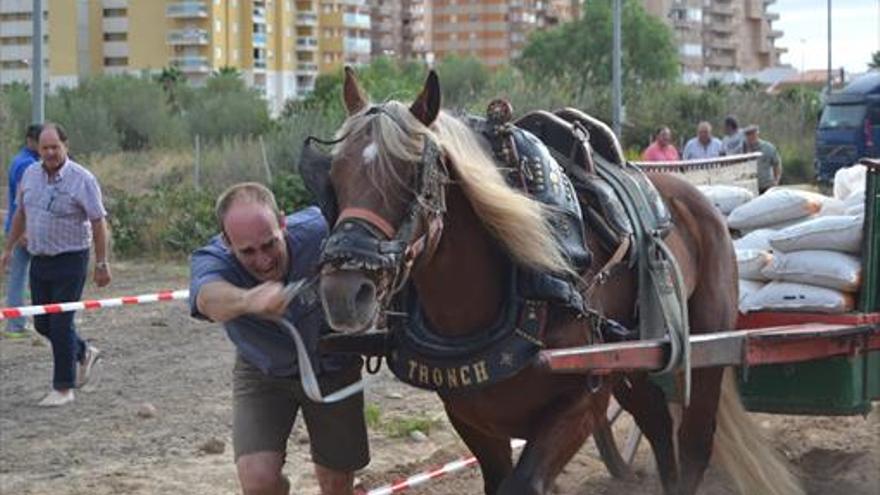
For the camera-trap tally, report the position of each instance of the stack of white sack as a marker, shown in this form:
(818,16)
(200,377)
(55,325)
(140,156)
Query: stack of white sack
(849,188)
(813,266)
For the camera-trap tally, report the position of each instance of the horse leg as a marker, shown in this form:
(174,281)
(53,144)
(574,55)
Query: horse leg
(493,454)
(557,437)
(647,403)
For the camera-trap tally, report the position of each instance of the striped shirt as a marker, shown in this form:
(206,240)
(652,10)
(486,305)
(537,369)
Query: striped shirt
(59,210)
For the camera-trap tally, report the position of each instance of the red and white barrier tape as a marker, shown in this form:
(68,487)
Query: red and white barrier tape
(418,479)
(168,295)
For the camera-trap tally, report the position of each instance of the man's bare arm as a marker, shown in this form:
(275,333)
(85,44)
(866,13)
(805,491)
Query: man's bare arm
(221,301)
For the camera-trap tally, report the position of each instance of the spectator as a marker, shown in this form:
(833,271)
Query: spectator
(235,279)
(769,163)
(661,150)
(20,259)
(61,213)
(732,143)
(704,145)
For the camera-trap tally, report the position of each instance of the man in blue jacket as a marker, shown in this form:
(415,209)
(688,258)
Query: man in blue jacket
(18,264)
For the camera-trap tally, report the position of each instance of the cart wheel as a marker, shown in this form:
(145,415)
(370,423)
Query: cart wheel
(618,457)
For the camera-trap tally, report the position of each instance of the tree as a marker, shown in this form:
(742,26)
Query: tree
(875,61)
(581,50)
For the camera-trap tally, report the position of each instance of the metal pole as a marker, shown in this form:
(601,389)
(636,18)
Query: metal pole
(829,47)
(616,92)
(38,112)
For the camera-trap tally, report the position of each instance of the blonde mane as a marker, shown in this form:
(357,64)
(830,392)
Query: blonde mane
(520,223)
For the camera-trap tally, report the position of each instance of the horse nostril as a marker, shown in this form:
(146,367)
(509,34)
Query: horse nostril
(365,294)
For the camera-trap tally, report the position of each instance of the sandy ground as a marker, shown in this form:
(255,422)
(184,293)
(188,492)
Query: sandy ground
(159,419)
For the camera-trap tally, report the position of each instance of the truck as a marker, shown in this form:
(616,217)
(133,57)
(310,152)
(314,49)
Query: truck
(849,128)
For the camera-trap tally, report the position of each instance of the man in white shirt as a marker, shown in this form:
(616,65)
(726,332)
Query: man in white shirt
(705,145)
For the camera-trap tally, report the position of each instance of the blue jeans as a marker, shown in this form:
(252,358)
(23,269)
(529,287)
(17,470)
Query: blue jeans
(60,279)
(18,269)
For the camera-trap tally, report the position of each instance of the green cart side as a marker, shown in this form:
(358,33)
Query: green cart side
(834,386)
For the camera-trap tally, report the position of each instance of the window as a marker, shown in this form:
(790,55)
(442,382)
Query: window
(218,52)
(694,14)
(218,26)
(115,12)
(235,54)
(115,36)
(115,61)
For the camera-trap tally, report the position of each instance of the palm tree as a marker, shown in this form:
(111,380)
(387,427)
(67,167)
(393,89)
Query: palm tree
(170,78)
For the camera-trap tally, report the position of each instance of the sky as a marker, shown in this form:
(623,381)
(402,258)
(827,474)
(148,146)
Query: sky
(855,32)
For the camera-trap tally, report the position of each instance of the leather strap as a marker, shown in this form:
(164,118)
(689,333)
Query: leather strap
(371,218)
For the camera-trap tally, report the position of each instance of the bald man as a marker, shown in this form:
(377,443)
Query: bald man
(239,277)
(704,145)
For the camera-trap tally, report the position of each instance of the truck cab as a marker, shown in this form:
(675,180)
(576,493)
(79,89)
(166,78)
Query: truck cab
(849,128)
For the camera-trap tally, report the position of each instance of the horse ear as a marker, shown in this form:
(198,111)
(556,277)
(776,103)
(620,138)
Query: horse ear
(427,105)
(352,94)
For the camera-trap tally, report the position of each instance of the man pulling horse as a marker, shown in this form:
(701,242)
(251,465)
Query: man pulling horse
(423,220)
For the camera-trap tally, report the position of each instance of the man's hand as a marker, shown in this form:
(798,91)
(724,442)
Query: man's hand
(268,298)
(102,274)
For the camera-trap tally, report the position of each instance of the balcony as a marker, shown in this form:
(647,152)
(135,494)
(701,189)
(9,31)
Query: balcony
(357,21)
(188,37)
(309,43)
(722,44)
(775,33)
(722,10)
(260,64)
(259,14)
(356,45)
(187,10)
(259,39)
(306,19)
(721,27)
(772,16)
(192,64)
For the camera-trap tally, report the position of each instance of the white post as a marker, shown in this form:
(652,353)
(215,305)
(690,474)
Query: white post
(38,112)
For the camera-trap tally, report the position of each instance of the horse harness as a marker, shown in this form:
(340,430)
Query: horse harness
(361,239)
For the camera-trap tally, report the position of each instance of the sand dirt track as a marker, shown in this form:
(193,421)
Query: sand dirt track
(156,354)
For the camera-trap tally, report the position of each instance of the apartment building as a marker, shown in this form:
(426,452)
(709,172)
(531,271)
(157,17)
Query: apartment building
(401,28)
(493,31)
(721,35)
(345,32)
(272,42)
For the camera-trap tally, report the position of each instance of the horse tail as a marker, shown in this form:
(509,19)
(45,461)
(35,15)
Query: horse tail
(744,453)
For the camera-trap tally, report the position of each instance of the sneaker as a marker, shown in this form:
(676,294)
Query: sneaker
(85,367)
(56,398)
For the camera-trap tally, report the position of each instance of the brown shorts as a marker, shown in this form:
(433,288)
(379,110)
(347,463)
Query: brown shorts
(265,408)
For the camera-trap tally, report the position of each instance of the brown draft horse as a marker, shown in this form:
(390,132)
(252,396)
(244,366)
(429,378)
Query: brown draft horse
(459,282)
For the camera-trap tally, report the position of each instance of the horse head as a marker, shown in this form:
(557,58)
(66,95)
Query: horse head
(387,177)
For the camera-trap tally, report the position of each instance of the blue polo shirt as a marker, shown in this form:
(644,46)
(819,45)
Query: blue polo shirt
(20,162)
(259,342)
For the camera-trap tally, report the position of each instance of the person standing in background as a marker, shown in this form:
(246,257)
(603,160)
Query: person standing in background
(61,212)
(732,144)
(704,145)
(18,264)
(769,163)
(661,150)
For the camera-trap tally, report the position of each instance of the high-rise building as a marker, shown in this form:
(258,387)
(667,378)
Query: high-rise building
(721,35)
(493,31)
(272,43)
(344,34)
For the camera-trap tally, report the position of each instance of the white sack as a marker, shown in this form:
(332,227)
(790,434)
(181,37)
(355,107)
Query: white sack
(823,268)
(751,263)
(849,179)
(746,289)
(835,233)
(726,198)
(775,207)
(786,296)
(756,239)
